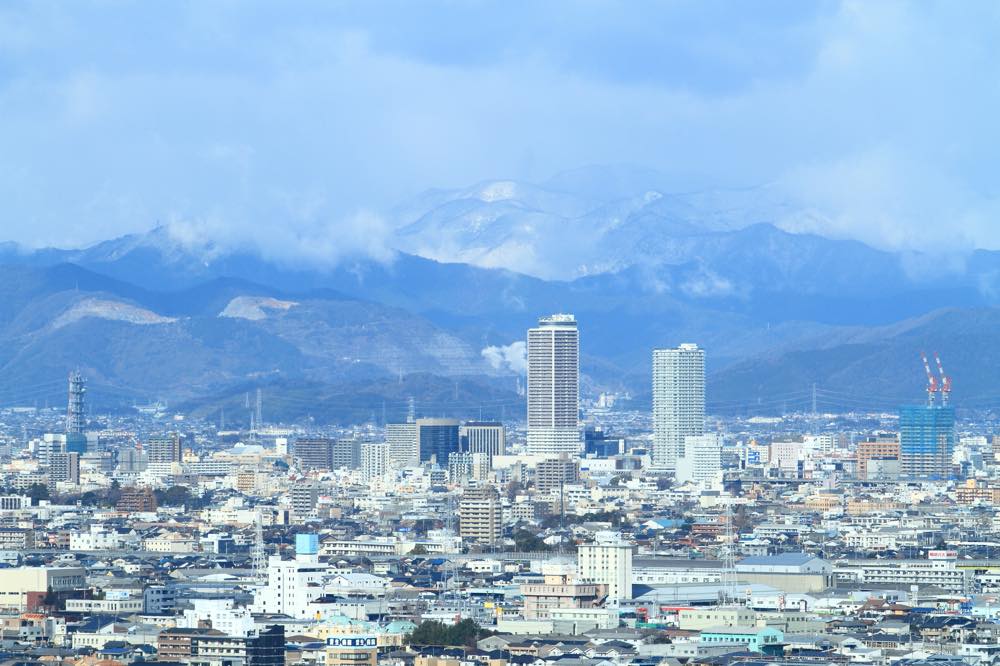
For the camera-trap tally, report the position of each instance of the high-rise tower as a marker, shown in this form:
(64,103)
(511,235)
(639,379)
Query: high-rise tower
(76,418)
(926,441)
(554,386)
(678,401)
(76,422)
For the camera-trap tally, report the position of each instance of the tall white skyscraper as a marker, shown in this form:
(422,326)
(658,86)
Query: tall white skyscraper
(554,386)
(678,401)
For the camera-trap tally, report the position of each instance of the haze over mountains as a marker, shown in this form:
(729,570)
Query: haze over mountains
(157,315)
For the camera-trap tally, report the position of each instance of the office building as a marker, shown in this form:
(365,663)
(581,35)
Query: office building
(404,450)
(599,444)
(926,441)
(607,561)
(357,650)
(554,386)
(702,460)
(266,647)
(437,439)
(552,474)
(164,448)
(479,515)
(678,401)
(483,437)
(64,467)
(27,589)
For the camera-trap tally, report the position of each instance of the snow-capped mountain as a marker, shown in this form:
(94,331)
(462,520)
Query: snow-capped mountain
(569,228)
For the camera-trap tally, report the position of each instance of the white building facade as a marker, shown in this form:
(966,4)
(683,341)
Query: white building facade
(678,401)
(554,386)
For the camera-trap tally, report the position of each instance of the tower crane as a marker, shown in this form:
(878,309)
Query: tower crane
(945,381)
(932,384)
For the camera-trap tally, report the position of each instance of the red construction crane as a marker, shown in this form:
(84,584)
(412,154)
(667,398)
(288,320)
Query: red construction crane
(945,381)
(932,385)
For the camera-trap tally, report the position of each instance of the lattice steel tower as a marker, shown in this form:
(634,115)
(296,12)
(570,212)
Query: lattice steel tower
(76,422)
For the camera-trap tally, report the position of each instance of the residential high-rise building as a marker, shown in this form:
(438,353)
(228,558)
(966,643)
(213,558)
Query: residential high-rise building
(926,441)
(345,454)
(404,450)
(702,459)
(374,459)
(304,496)
(880,446)
(479,515)
(314,453)
(554,386)
(459,468)
(483,437)
(64,467)
(49,445)
(554,473)
(437,439)
(608,561)
(678,401)
(164,448)
(136,500)
(132,460)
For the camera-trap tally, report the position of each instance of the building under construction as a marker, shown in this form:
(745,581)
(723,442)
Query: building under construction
(927,432)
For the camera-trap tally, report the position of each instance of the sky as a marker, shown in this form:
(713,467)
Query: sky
(298,124)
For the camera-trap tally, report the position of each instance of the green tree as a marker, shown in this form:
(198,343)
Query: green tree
(38,492)
(173,496)
(527,541)
(431,632)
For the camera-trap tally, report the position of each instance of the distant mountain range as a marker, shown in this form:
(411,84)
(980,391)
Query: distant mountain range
(150,316)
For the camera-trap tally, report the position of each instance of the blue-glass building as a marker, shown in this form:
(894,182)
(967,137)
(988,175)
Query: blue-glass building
(926,441)
(599,444)
(437,439)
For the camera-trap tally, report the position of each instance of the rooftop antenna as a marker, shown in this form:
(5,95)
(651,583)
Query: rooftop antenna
(258,554)
(728,591)
(932,385)
(259,407)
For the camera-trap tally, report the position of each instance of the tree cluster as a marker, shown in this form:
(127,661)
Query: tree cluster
(431,632)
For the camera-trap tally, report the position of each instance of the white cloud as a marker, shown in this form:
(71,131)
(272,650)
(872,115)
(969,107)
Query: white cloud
(512,357)
(880,116)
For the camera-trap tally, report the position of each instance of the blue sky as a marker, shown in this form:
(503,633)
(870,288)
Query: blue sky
(304,120)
